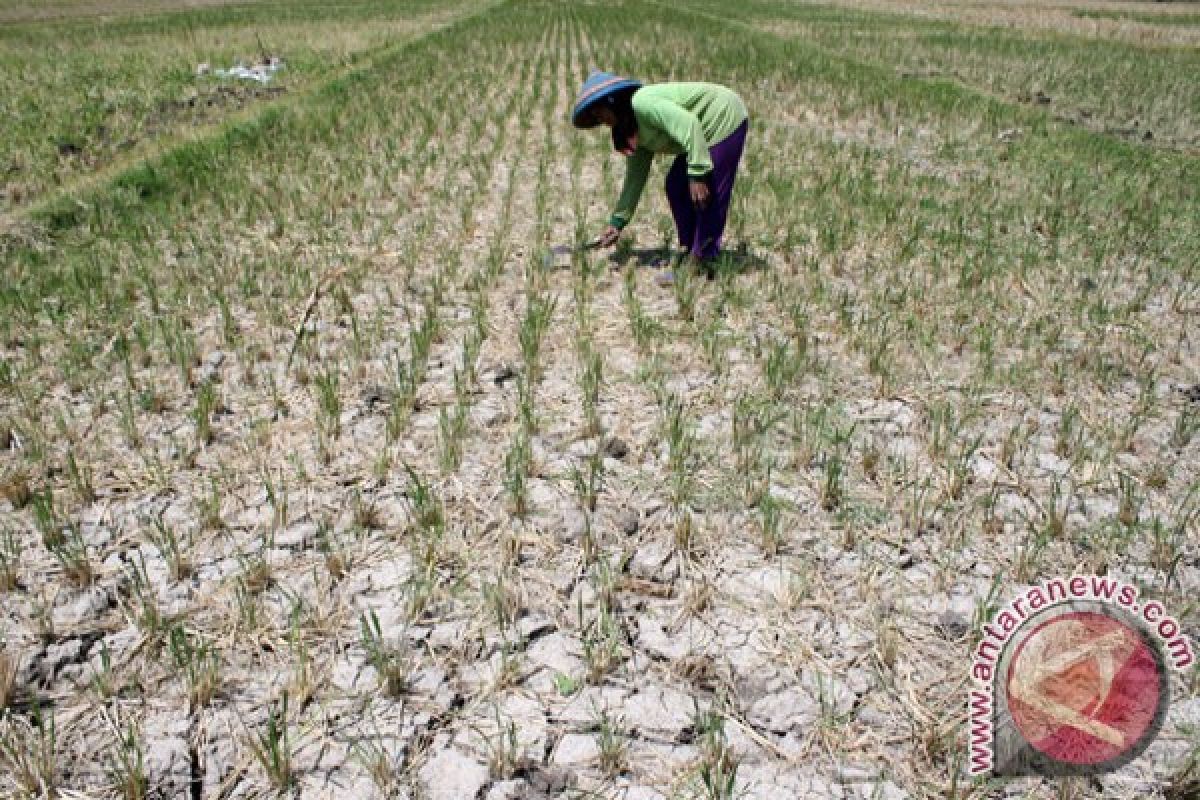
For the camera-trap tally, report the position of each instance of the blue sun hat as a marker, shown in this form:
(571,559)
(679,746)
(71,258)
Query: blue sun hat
(598,87)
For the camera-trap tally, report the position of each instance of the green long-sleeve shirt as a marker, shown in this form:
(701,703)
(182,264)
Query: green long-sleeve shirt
(676,118)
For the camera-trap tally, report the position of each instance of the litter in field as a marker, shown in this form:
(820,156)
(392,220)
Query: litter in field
(261,72)
(1036,98)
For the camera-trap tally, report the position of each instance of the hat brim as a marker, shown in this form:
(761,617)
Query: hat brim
(583,116)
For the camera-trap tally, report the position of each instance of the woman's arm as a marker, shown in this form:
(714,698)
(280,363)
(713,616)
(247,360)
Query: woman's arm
(637,168)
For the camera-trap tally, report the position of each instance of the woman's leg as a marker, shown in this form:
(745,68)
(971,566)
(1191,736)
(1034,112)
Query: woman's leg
(679,195)
(710,223)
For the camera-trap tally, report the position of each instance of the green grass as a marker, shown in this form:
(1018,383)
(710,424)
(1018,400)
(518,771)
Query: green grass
(1150,18)
(1104,85)
(80,94)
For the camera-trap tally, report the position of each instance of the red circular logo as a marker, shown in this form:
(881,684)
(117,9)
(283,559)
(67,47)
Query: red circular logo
(1085,688)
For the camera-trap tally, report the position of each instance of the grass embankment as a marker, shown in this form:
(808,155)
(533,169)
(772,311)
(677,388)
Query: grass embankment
(1137,91)
(81,94)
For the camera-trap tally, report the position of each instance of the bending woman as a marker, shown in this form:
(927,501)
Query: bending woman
(702,124)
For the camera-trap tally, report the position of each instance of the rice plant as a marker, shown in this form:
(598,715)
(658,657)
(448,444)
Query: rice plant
(28,753)
(392,661)
(72,553)
(198,662)
(591,380)
(611,741)
(272,746)
(10,560)
(516,473)
(126,764)
(718,766)
(167,541)
(203,411)
(9,670)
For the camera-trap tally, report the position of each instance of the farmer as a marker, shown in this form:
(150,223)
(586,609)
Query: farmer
(702,124)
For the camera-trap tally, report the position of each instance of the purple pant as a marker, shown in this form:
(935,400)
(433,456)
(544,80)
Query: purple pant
(700,231)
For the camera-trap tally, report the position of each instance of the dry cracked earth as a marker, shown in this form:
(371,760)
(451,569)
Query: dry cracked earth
(433,643)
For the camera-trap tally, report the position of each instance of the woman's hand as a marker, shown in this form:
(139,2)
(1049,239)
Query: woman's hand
(609,237)
(700,194)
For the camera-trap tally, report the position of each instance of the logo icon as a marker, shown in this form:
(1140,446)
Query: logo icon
(1072,677)
(1084,690)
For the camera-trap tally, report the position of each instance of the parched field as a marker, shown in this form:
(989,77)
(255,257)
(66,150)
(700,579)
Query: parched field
(324,474)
